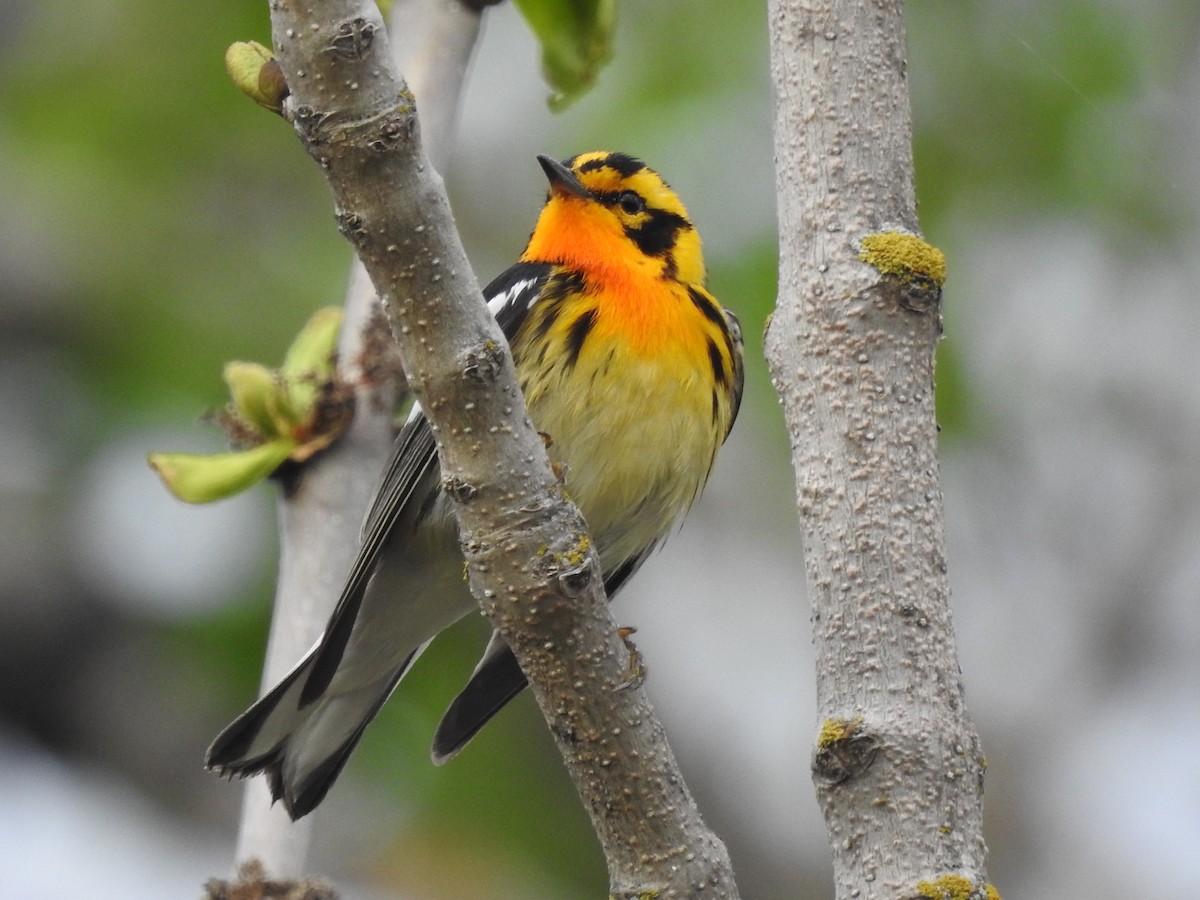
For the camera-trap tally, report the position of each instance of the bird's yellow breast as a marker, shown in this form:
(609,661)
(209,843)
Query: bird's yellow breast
(633,417)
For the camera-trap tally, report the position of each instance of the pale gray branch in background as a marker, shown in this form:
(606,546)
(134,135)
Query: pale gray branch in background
(897,762)
(319,517)
(432,42)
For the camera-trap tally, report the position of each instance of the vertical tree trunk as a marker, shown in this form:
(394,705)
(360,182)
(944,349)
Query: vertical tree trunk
(897,762)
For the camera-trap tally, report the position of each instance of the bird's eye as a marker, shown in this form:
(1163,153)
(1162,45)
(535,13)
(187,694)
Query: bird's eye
(631,203)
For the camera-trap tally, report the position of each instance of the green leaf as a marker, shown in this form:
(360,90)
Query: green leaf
(201,479)
(256,73)
(309,361)
(295,411)
(576,38)
(312,350)
(251,387)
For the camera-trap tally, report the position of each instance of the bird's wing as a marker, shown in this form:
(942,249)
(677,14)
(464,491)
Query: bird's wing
(739,369)
(412,463)
(511,295)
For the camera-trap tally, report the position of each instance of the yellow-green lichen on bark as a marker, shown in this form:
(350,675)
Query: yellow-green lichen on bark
(835,729)
(903,256)
(953,886)
(578,552)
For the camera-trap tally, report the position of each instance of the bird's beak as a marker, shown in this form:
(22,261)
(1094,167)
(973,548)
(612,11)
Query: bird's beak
(562,179)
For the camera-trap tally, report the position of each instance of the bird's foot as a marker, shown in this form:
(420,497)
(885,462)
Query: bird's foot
(635,674)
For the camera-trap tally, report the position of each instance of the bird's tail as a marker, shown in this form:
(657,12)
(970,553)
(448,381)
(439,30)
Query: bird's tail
(496,680)
(300,747)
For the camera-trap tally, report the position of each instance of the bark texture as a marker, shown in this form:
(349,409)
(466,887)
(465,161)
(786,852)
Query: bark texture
(529,558)
(897,761)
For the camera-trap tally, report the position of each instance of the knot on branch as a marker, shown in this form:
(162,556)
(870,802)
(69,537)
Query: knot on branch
(391,133)
(914,614)
(353,39)
(843,751)
(570,568)
(483,365)
(352,227)
(309,123)
(573,582)
(459,488)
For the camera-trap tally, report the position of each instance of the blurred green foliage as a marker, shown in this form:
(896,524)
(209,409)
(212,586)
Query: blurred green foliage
(177,213)
(576,41)
(1024,105)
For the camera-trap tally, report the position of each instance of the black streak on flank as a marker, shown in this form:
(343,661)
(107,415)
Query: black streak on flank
(560,286)
(718,364)
(707,307)
(548,313)
(566,284)
(713,313)
(578,333)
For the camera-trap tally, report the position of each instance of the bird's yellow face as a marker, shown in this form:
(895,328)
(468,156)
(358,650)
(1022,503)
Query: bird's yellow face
(611,215)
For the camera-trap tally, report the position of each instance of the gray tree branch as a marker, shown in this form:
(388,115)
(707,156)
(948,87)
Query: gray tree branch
(529,559)
(897,762)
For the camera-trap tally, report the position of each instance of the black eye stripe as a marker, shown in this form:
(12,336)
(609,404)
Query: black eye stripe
(615,198)
(655,234)
(653,230)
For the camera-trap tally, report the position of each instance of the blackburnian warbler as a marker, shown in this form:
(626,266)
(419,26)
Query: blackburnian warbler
(633,371)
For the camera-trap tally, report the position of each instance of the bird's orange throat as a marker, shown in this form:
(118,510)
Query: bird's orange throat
(583,235)
(636,303)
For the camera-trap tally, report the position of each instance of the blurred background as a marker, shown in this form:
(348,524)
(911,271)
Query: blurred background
(154,223)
